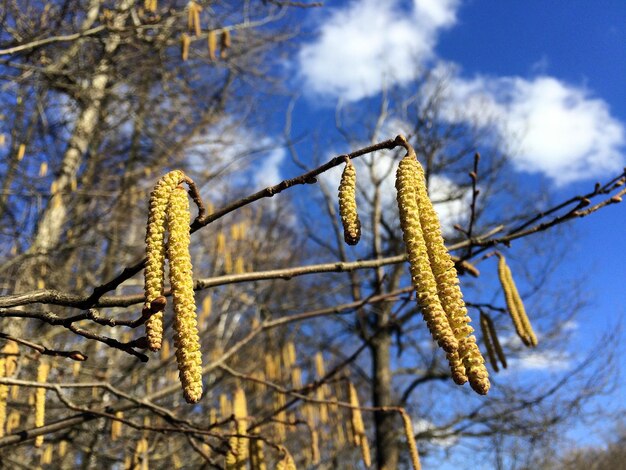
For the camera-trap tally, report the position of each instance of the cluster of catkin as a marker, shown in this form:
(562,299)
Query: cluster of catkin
(194,26)
(169,208)
(514,304)
(434,276)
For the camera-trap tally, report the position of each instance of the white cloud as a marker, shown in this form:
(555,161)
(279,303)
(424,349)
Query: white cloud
(371,44)
(545,360)
(268,171)
(549,126)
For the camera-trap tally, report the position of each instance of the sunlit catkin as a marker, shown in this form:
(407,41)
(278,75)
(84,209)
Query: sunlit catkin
(257,455)
(212,44)
(347,205)
(40,399)
(116,426)
(286,462)
(421,273)
(514,304)
(4,393)
(410,439)
(358,428)
(240,410)
(448,289)
(186,340)
(185,42)
(13,421)
(155,253)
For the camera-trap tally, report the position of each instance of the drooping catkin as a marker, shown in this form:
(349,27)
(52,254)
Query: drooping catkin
(514,303)
(448,288)
(286,462)
(257,455)
(4,393)
(240,410)
(13,422)
(347,205)
(154,273)
(186,340)
(40,399)
(358,428)
(185,42)
(150,5)
(116,426)
(212,44)
(193,18)
(46,456)
(421,273)
(410,439)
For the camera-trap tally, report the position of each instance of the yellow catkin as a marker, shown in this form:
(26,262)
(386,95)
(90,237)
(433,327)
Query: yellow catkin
(155,253)
(62,448)
(358,428)
(46,456)
(514,304)
(448,290)
(240,266)
(281,416)
(116,426)
(421,273)
(240,410)
(212,44)
(410,440)
(193,18)
(186,340)
(296,378)
(347,205)
(257,455)
(21,151)
(165,350)
(220,244)
(176,462)
(225,407)
(225,43)
(4,393)
(286,462)
(521,310)
(140,459)
(13,422)
(185,42)
(315,447)
(228,263)
(150,5)
(43,169)
(76,368)
(40,400)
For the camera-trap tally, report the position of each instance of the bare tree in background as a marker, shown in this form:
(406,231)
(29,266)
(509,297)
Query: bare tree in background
(99,99)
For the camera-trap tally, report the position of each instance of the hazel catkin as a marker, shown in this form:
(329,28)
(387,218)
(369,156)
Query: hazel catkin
(186,340)
(514,304)
(358,428)
(154,272)
(40,400)
(448,289)
(410,439)
(347,205)
(422,275)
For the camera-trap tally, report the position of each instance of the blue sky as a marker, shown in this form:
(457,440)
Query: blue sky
(551,75)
